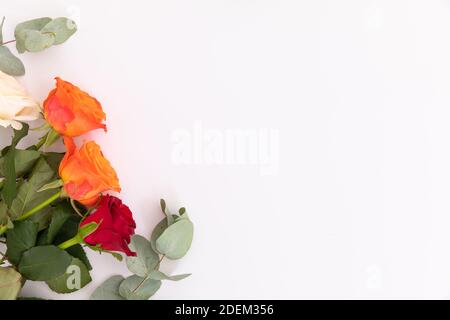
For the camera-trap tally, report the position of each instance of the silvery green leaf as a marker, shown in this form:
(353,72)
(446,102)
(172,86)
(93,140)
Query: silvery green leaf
(62,28)
(158,230)
(146,259)
(36,41)
(176,240)
(138,288)
(10,283)
(10,64)
(21,28)
(108,290)
(158,275)
(166,212)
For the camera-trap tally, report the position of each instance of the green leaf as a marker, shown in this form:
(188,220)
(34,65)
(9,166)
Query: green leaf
(35,41)
(138,288)
(24,161)
(27,196)
(176,240)
(53,159)
(108,290)
(77,251)
(22,28)
(42,218)
(158,275)
(146,259)
(10,64)
(61,213)
(61,28)
(10,284)
(19,239)
(52,185)
(166,212)
(9,190)
(44,263)
(158,230)
(68,230)
(76,277)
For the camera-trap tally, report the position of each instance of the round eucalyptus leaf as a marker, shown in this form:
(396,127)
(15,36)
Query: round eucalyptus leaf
(36,41)
(146,259)
(61,28)
(176,240)
(21,28)
(108,290)
(10,64)
(138,288)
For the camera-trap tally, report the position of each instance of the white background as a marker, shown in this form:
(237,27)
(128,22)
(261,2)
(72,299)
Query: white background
(358,92)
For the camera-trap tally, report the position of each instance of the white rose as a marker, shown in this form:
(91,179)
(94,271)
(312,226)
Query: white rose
(15,103)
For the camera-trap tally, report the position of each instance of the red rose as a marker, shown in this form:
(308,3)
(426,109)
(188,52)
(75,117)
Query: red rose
(116,226)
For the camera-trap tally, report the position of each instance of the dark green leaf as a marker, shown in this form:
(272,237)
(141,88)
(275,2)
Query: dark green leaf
(19,239)
(27,196)
(76,277)
(24,161)
(44,263)
(61,213)
(77,251)
(53,159)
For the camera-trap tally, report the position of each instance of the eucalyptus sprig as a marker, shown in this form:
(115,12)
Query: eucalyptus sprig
(33,36)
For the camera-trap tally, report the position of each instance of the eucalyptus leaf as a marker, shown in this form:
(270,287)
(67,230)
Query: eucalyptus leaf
(158,275)
(138,288)
(76,277)
(35,41)
(146,259)
(44,263)
(20,32)
(10,284)
(61,28)
(108,290)
(176,240)
(158,230)
(19,239)
(10,64)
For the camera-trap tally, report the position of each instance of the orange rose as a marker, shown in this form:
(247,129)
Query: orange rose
(71,111)
(86,173)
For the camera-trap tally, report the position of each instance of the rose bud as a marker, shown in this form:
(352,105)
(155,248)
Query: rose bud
(71,111)
(115,226)
(86,173)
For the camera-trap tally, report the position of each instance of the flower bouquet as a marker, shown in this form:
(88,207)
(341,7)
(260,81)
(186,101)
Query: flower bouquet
(56,205)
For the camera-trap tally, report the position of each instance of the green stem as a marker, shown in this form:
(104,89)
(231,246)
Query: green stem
(41,141)
(71,242)
(40,206)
